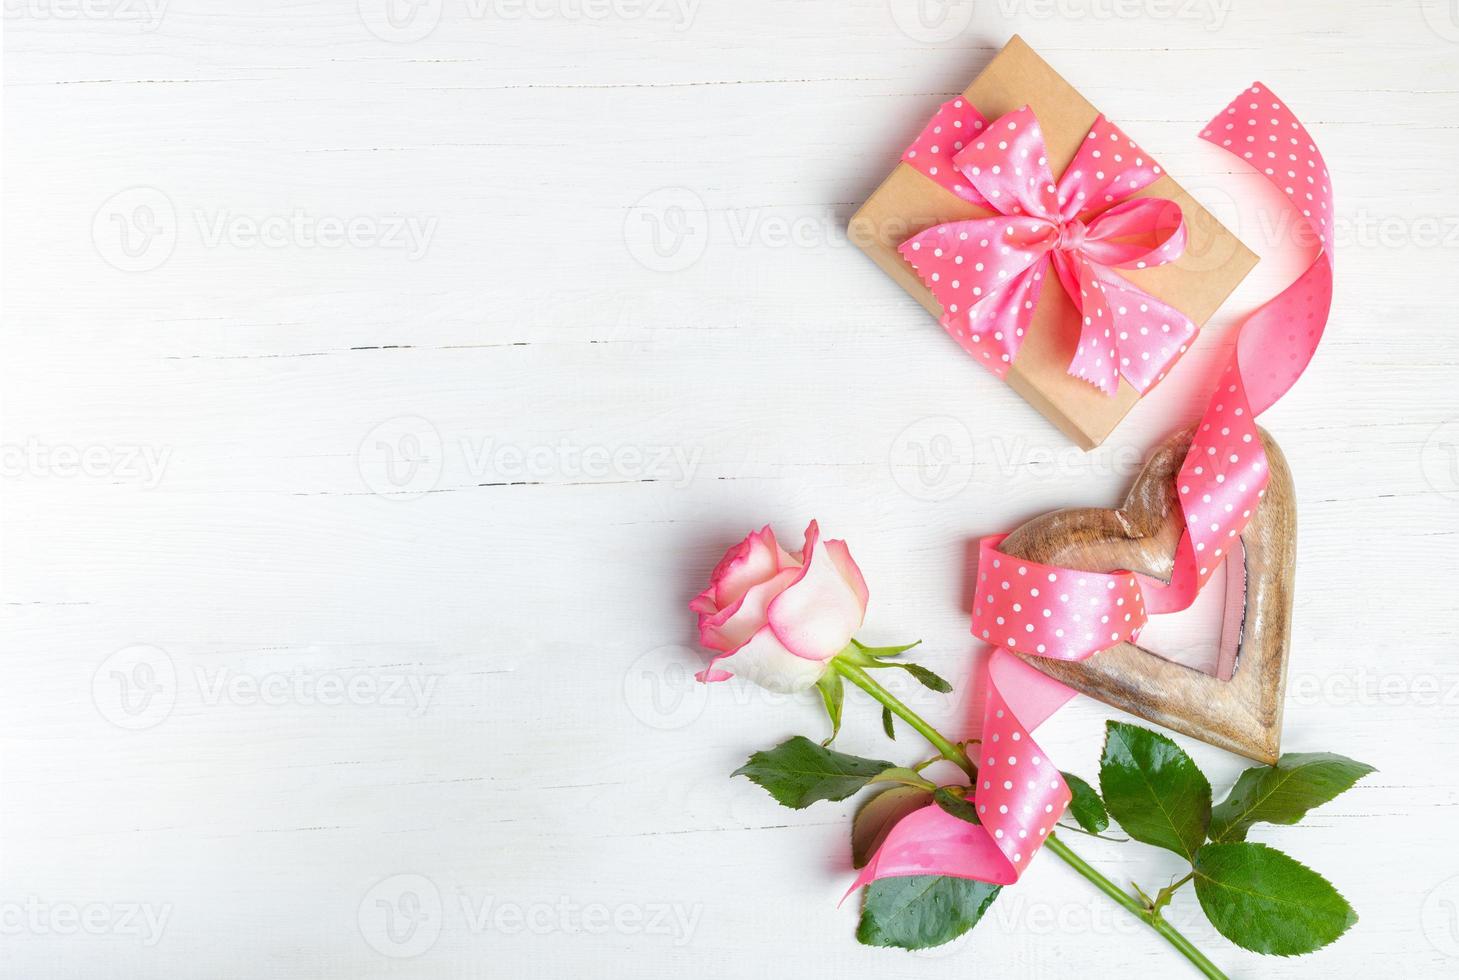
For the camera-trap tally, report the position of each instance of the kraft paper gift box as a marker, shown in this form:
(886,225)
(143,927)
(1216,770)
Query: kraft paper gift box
(1197,283)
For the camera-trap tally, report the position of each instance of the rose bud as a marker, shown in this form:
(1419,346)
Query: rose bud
(778,618)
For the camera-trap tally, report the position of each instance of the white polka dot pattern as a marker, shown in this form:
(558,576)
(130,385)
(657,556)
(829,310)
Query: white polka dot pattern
(987,273)
(1019,794)
(1278,340)
(1225,473)
(1108,167)
(949,131)
(1069,614)
(1050,611)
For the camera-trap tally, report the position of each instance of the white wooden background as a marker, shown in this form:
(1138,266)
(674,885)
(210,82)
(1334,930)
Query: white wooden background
(379,385)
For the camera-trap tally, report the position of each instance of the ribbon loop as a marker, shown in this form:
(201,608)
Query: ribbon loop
(987,273)
(1107,168)
(1147,231)
(1008,166)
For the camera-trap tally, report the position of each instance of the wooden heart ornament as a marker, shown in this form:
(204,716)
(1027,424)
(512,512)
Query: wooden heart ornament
(1240,707)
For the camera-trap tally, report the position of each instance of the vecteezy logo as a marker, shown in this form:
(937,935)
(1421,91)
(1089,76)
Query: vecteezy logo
(400,21)
(135,230)
(660,688)
(667,230)
(402,458)
(1442,16)
(400,916)
(135,688)
(932,459)
(1440,459)
(1440,917)
(932,21)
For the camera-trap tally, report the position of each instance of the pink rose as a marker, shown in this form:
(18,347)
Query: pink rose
(778,618)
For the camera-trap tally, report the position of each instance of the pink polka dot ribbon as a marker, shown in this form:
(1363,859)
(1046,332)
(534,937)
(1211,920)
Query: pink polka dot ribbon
(987,273)
(1071,614)
(1224,474)
(1050,611)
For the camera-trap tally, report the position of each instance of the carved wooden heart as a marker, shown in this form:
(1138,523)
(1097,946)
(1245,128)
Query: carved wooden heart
(1240,708)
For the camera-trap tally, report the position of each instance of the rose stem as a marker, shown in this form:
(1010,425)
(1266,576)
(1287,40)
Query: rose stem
(1149,917)
(954,754)
(863,680)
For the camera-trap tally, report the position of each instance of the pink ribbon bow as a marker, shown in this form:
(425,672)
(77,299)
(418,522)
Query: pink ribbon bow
(987,273)
(1072,614)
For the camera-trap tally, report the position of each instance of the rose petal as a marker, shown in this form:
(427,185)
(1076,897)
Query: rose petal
(787,560)
(729,629)
(748,563)
(712,674)
(816,615)
(766,662)
(704,603)
(850,571)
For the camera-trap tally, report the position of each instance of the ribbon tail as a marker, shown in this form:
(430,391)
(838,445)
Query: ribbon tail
(1020,794)
(1096,359)
(931,841)
(1150,335)
(1226,470)
(936,148)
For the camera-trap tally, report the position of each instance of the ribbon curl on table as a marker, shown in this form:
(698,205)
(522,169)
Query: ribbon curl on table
(987,273)
(1070,614)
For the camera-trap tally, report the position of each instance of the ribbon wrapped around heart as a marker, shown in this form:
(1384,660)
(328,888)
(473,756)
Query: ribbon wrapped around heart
(1072,614)
(987,273)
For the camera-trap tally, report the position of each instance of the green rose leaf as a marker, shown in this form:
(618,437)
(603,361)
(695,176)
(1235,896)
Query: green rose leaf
(833,693)
(1283,793)
(922,911)
(800,772)
(879,652)
(927,678)
(1154,789)
(1267,902)
(903,775)
(886,723)
(1086,807)
(879,815)
(951,799)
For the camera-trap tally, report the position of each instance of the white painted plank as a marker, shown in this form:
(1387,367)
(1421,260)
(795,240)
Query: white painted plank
(600,421)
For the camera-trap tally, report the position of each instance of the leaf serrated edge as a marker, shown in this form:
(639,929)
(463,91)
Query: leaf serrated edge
(761,756)
(1102,823)
(1110,728)
(1352,916)
(893,916)
(933,881)
(1235,824)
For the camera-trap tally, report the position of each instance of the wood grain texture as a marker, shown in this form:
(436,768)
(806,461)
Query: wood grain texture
(1239,706)
(560,756)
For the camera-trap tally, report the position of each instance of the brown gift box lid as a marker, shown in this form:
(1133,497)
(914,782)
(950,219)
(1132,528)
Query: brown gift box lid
(1214,263)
